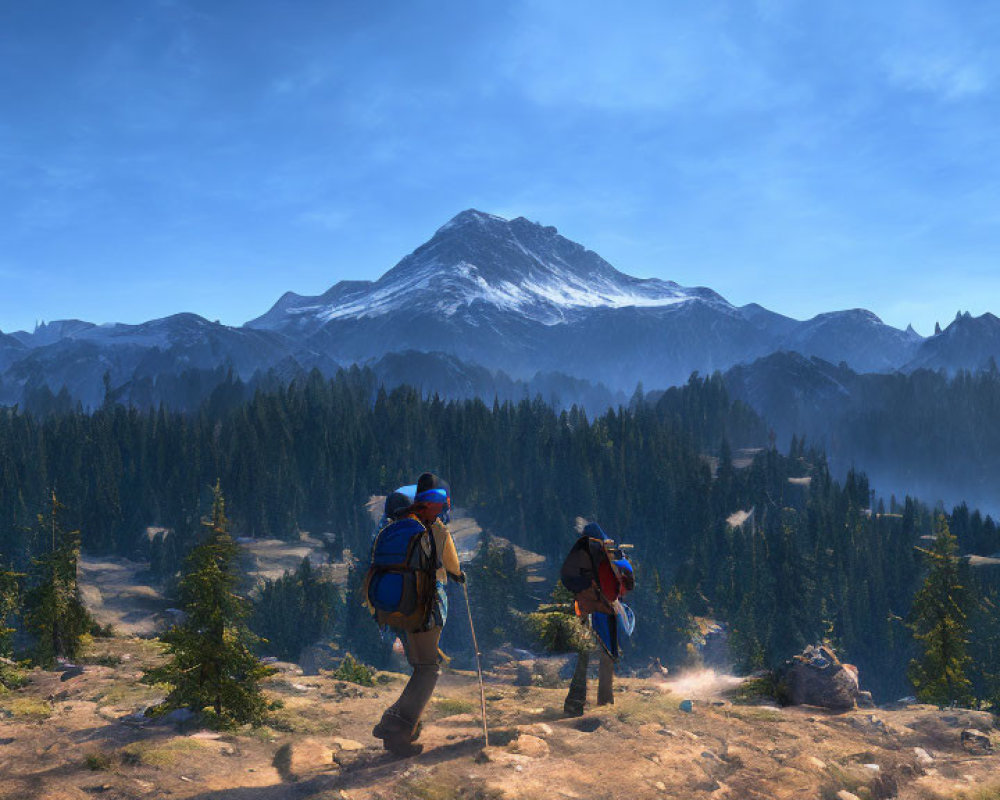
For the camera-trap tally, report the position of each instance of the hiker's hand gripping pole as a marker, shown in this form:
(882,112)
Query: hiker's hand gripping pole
(479,666)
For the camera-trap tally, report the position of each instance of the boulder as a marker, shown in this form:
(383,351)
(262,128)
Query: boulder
(976,742)
(546,673)
(819,678)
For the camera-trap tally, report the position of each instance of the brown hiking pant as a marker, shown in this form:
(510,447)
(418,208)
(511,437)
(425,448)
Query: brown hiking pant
(422,653)
(577,697)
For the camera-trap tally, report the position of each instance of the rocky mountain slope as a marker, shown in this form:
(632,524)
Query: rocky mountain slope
(515,295)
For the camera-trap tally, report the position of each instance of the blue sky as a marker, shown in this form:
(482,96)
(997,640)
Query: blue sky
(158,157)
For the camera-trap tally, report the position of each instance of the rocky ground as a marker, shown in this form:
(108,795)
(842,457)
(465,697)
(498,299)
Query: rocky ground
(86,737)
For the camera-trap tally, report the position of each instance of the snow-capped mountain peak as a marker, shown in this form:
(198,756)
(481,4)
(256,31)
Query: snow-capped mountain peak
(476,261)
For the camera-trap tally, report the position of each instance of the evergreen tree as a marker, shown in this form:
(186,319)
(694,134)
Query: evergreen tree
(10,590)
(212,662)
(54,613)
(940,626)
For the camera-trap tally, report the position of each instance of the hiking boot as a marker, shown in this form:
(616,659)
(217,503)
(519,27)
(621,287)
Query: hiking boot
(383,732)
(402,748)
(573,707)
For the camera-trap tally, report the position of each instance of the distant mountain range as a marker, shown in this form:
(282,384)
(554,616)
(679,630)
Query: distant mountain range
(485,296)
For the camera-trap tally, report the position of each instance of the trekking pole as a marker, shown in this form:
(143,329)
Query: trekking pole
(479,666)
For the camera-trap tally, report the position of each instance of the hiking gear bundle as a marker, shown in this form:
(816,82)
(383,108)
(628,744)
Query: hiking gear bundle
(599,575)
(596,572)
(400,587)
(613,629)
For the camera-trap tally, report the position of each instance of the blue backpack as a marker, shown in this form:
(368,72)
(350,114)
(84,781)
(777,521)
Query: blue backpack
(400,585)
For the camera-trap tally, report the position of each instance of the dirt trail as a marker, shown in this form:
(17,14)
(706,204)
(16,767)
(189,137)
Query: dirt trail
(86,737)
(114,592)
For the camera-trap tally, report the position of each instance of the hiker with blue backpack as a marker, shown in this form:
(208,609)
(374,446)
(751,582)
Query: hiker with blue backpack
(599,575)
(413,557)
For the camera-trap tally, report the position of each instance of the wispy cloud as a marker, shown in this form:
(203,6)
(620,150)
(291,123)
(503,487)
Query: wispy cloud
(950,76)
(633,57)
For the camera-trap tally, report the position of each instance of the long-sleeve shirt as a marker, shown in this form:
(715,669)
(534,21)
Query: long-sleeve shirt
(447,554)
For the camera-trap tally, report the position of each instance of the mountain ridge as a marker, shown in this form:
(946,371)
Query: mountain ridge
(511,296)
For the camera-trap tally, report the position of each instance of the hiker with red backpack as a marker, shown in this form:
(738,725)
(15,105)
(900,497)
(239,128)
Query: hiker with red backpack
(413,557)
(599,576)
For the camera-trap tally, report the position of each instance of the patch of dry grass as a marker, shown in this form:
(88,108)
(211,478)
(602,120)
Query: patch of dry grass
(642,709)
(158,753)
(130,695)
(26,708)
(445,789)
(985,793)
(303,717)
(451,706)
(756,714)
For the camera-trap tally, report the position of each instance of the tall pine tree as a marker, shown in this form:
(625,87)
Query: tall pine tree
(212,663)
(939,621)
(54,613)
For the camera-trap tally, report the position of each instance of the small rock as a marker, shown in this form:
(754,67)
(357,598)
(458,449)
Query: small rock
(843,794)
(660,786)
(293,760)
(347,744)
(873,768)
(924,758)
(816,762)
(976,742)
(229,750)
(180,715)
(72,671)
(530,746)
(539,729)
(666,732)
(686,706)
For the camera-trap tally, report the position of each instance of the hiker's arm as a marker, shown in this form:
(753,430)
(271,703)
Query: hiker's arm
(448,553)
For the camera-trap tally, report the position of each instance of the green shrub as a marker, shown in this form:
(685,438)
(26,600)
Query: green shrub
(11,677)
(98,761)
(353,671)
(557,631)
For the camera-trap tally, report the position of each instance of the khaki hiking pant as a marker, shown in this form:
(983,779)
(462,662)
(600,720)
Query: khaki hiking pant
(422,653)
(577,697)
